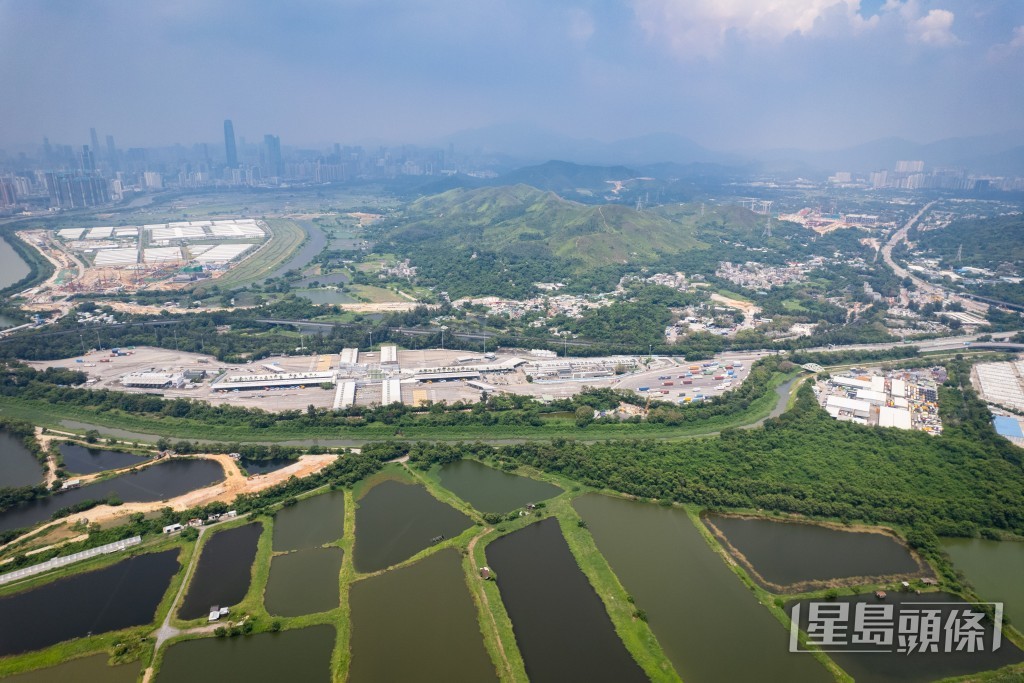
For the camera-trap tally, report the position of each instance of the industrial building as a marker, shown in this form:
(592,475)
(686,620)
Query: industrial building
(389,354)
(345,395)
(153,380)
(349,357)
(843,408)
(391,392)
(276,381)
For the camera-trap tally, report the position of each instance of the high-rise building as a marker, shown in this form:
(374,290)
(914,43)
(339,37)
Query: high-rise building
(94,139)
(76,191)
(272,147)
(112,154)
(909,166)
(88,160)
(8,195)
(229,144)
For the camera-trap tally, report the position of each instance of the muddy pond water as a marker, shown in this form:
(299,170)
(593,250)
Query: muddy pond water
(224,571)
(995,569)
(784,554)
(310,523)
(92,669)
(18,467)
(265,466)
(699,610)
(303,582)
(427,608)
(301,655)
(124,594)
(916,667)
(560,623)
(394,521)
(159,482)
(81,460)
(491,490)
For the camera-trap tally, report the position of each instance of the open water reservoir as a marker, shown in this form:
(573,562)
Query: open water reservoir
(300,655)
(310,523)
(124,594)
(785,555)
(91,669)
(81,460)
(427,608)
(709,624)
(560,624)
(394,521)
(916,667)
(159,482)
(995,569)
(12,267)
(224,571)
(491,490)
(303,582)
(18,467)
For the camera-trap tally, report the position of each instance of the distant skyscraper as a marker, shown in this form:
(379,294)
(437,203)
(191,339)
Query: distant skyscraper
(229,144)
(95,140)
(88,160)
(272,143)
(47,150)
(112,153)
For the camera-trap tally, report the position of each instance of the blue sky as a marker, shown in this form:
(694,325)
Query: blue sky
(730,74)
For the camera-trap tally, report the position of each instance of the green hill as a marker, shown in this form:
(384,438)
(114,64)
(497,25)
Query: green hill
(985,242)
(500,240)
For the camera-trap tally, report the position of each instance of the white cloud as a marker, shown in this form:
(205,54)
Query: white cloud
(932,28)
(701,27)
(1004,50)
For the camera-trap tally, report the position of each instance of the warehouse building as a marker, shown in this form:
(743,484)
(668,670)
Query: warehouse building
(153,380)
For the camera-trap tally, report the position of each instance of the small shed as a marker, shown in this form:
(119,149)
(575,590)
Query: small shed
(214,613)
(880,595)
(172,528)
(485,573)
(929,581)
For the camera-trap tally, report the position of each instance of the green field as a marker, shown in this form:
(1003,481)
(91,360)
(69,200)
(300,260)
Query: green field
(286,238)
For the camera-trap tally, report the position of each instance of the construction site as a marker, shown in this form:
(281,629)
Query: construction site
(389,375)
(109,260)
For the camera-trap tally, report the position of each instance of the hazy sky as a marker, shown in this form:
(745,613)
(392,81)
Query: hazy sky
(730,74)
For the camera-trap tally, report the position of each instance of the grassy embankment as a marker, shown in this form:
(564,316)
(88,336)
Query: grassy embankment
(556,426)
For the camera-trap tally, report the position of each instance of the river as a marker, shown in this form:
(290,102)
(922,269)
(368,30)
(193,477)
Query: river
(12,267)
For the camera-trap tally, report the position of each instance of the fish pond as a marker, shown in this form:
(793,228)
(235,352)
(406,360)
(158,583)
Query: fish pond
(265,466)
(327,295)
(224,571)
(696,606)
(12,267)
(426,607)
(310,523)
(995,569)
(303,582)
(124,594)
(301,655)
(18,467)
(794,557)
(81,460)
(491,490)
(891,666)
(159,482)
(560,623)
(92,669)
(394,521)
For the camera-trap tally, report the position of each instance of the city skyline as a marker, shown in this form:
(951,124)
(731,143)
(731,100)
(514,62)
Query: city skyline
(816,74)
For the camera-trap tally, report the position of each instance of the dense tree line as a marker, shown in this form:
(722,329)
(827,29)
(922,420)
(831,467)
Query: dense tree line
(966,481)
